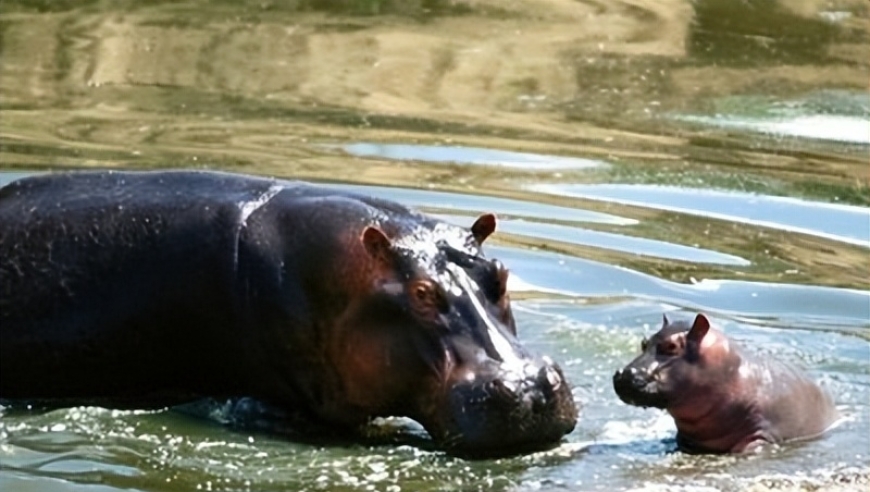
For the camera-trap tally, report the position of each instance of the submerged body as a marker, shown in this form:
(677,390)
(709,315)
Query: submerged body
(153,289)
(722,398)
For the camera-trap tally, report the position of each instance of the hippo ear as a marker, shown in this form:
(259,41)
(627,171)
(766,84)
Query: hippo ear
(699,329)
(377,244)
(665,320)
(483,227)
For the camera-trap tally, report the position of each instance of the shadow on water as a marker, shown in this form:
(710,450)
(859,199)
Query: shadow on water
(757,33)
(712,155)
(251,416)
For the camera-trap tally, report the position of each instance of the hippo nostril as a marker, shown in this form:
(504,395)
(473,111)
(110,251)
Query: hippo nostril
(627,374)
(549,377)
(535,401)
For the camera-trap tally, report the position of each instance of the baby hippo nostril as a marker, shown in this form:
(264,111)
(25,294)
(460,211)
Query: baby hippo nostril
(629,381)
(622,380)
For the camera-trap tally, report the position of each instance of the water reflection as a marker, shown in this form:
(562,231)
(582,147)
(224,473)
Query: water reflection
(437,200)
(845,223)
(758,32)
(779,304)
(616,242)
(469,155)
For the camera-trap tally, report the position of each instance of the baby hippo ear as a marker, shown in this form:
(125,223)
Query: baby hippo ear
(377,244)
(699,329)
(665,320)
(483,227)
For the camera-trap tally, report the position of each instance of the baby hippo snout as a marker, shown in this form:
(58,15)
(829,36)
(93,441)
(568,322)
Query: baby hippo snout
(629,379)
(637,387)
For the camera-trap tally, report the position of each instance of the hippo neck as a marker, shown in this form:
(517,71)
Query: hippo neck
(725,427)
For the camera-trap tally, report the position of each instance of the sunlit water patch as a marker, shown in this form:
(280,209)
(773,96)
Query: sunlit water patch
(845,223)
(835,116)
(468,155)
(847,129)
(786,305)
(607,240)
(7,177)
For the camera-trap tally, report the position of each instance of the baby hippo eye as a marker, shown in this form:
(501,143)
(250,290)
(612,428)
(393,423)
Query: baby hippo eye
(644,344)
(669,347)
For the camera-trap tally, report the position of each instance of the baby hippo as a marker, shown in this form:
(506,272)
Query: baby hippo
(722,399)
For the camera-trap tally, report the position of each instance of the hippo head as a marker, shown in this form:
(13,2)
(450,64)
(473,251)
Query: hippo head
(437,343)
(677,364)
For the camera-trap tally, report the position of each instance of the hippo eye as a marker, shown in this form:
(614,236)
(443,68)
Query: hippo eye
(421,291)
(669,347)
(426,298)
(644,344)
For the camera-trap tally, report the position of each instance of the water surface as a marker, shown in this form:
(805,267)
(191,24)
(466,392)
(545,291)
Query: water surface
(461,108)
(468,155)
(846,223)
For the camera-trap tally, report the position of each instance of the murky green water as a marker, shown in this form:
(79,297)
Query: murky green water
(642,157)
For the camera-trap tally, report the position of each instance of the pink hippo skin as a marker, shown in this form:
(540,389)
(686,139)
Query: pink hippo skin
(722,399)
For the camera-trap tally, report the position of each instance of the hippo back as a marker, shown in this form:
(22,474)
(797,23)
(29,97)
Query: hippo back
(118,270)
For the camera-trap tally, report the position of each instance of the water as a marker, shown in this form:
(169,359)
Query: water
(468,155)
(833,221)
(837,116)
(730,149)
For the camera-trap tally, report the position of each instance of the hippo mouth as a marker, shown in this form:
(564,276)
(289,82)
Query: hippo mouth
(638,388)
(505,415)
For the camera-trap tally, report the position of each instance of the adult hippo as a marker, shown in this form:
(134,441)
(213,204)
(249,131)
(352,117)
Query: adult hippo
(723,399)
(148,289)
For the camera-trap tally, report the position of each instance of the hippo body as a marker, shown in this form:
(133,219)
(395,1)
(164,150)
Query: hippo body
(723,399)
(148,289)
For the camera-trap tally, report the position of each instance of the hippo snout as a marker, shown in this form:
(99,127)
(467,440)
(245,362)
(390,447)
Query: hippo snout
(507,412)
(543,388)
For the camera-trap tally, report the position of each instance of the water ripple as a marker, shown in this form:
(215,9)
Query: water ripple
(845,223)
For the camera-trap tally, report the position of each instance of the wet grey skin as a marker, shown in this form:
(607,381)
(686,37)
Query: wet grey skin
(723,399)
(143,290)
